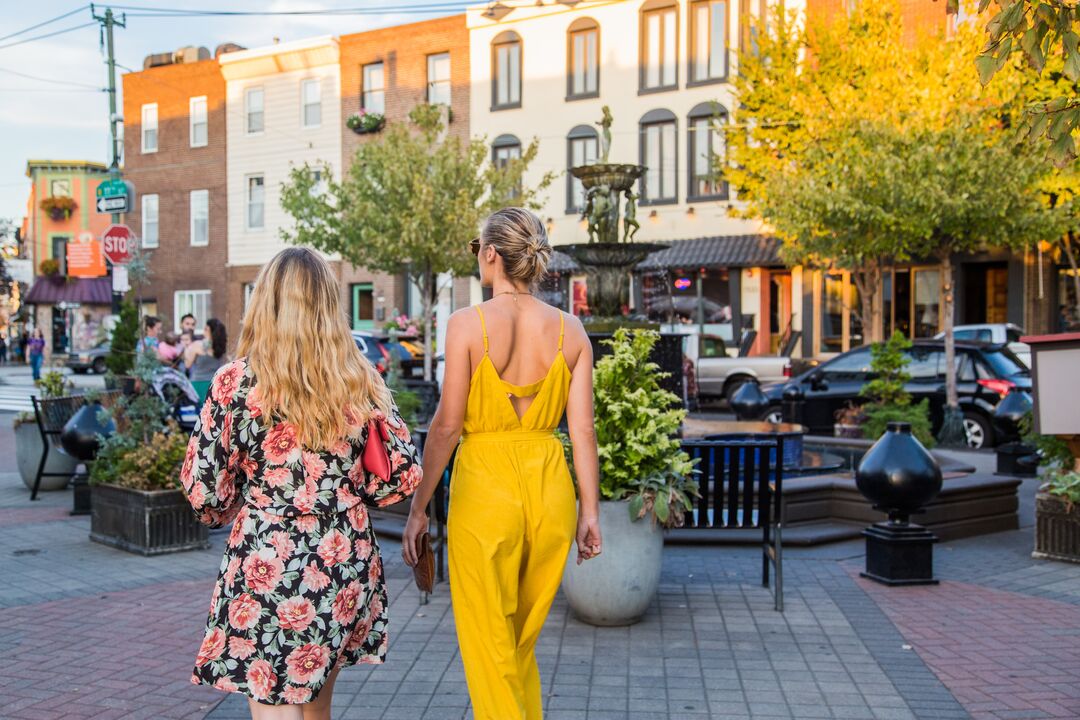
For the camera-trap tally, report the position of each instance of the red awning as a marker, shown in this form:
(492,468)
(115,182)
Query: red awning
(86,291)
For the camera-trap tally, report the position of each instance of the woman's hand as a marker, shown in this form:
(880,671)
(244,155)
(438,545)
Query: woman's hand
(589,543)
(415,527)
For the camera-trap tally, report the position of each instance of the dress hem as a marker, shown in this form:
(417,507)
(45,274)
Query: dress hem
(365,660)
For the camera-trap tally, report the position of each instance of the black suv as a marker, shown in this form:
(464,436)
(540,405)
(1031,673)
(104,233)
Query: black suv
(985,374)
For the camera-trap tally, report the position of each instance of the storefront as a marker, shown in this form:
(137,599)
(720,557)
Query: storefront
(71,312)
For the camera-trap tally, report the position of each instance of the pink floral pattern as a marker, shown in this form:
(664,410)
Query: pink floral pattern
(300,589)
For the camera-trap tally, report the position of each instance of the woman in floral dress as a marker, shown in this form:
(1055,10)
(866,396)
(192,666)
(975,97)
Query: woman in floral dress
(297,437)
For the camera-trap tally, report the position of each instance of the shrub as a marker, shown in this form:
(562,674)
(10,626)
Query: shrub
(876,419)
(1055,453)
(1066,486)
(121,358)
(888,400)
(155,465)
(49,267)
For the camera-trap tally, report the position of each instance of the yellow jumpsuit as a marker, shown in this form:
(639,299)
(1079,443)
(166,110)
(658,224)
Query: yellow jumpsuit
(512,518)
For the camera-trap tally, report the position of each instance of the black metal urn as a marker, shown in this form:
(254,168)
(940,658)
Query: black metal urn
(1009,412)
(899,477)
(79,439)
(749,403)
(1015,458)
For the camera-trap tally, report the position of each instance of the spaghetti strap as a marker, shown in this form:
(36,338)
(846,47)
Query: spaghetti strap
(483,329)
(562,328)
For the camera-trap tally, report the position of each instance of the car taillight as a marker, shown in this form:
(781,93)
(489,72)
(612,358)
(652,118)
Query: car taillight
(380,367)
(787,370)
(1001,387)
(384,351)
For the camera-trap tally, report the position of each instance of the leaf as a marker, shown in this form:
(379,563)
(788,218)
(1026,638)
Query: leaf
(987,66)
(636,506)
(662,507)
(1069,42)
(1062,150)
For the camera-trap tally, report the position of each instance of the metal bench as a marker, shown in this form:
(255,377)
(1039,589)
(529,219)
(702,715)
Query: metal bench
(740,483)
(52,414)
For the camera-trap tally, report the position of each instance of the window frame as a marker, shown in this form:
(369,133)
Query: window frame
(143,127)
(649,8)
(703,111)
(247,202)
(504,39)
(577,134)
(247,110)
(304,104)
(179,312)
(579,27)
(448,81)
(52,187)
(657,118)
(157,221)
(191,217)
(364,90)
(691,44)
(192,103)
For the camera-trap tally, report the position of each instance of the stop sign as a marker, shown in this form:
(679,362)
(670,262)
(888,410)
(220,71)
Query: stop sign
(117,242)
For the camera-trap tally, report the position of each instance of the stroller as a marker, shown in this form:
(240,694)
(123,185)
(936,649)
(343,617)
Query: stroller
(176,390)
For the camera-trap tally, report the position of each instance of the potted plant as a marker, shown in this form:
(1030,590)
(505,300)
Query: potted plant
(646,483)
(1057,502)
(849,421)
(28,442)
(365,122)
(59,208)
(49,267)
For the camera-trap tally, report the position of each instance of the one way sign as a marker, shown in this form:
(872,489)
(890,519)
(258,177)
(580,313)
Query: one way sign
(112,204)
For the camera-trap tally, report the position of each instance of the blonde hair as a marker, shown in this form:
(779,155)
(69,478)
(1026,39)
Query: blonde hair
(521,241)
(299,346)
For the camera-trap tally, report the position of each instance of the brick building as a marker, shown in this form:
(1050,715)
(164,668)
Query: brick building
(174,150)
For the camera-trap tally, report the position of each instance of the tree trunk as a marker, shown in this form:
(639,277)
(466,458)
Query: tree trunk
(952,398)
(868,282)
(1067,244)
(427,308)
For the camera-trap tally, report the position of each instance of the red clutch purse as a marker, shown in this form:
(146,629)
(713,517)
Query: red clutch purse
(375,458)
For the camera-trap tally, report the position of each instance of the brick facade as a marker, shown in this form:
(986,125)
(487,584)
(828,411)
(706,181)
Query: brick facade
(172,173)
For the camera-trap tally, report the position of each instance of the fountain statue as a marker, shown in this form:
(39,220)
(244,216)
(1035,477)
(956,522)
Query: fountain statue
(607,259)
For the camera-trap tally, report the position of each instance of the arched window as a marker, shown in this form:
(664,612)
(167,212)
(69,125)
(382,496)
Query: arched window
(582,59)
(659,155)
(582,148)
(706,152)
(659,46)
(503,150)
(506,71)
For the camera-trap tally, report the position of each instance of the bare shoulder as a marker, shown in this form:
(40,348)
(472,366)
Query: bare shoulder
(576,341)
(462,327)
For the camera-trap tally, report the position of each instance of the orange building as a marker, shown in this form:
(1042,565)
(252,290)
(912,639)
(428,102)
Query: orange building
(71,294)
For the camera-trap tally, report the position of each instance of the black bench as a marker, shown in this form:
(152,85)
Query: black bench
(740,483)
(52,414)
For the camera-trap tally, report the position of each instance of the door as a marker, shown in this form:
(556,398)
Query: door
(59,331)
(839,382)
(363,306)
(926,302)
(779,309)
(986,293)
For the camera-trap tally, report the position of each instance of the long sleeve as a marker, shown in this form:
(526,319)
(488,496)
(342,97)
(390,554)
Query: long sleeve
(210,474)
(405,468)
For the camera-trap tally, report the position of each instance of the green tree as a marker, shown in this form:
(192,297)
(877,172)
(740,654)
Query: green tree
(410,201)
(887,396)
(121,358)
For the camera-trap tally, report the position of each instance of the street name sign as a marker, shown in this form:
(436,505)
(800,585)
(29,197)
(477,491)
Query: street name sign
(112,196)
(117,242)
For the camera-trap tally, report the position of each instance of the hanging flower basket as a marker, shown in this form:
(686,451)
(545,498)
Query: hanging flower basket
(49,267)
(59,208)
(365,122)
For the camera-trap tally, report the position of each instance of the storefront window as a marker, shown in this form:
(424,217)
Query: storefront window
(672,297)
(832,313)
(927,303)
(1068,315)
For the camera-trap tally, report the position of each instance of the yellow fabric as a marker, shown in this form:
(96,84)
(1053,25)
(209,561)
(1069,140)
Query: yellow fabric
(512,518)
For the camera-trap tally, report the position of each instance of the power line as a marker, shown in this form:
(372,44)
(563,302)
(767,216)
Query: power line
(50,80)
(47,35)
(142,11)
(47,22)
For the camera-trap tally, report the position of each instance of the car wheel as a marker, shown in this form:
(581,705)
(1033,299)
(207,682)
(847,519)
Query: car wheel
(99,366)
(774,416)
(732,386)
(977,431)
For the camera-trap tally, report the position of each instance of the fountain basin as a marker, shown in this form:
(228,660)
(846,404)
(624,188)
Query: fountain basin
(797,461)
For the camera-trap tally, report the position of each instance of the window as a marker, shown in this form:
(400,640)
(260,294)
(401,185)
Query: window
(438,79)
(708,41)
(503,150)
(583,68)
(256,202)
(659,48)
(253,106)
(197,124)
(373,98)
(249,289)
(200,218)
(753,21)
(658,155)
(60,188)
(582,149)
(706,152)
(149,221)
(854,363)
(980,335)
(149,128)
(925,364)
(59,252)
(311,103)
(196,302)
(506,80)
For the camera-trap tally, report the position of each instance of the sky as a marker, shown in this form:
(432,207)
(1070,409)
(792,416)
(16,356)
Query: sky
(62,116)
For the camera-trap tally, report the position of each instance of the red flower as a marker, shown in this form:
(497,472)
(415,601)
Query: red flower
(342,448)
(225,489)
(304,498)
(360,633)
(253,403)
(294,695)
(226,431)
(314,466)
(230,572)
(248,465)
(296,614)
(206,420)
(244,612)
(314,578)
(186,474)
(276,477)
(241,648)
(282,543)
(307,663)
(212,645)
(345,498)
(358,518)
(345,603)
(197,496)
(236,535)
(411,479)
(334,547)
(258,498)
(375,569)
(261,679)
(399,430)
(281,445)
(226,684)
(306,523)
(226,381)
(262,571)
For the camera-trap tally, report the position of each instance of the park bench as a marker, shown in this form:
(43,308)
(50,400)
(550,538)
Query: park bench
(52,414)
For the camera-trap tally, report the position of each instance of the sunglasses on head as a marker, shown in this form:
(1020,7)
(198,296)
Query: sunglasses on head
(474,245)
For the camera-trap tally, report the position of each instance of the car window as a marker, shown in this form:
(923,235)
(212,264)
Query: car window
(978,335)
(854,362)
(1003,363)
(712,346)
(965,369)
(925,364)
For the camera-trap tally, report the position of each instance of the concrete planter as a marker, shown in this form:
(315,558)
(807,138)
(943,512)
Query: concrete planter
(617,587)
(28,455)
(1057,529)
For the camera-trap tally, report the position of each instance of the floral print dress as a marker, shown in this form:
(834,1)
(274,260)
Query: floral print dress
(300,589)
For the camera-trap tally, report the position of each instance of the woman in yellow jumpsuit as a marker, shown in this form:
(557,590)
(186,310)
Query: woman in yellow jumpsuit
(512,510)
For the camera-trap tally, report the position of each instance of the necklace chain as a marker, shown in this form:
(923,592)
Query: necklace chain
(515,293)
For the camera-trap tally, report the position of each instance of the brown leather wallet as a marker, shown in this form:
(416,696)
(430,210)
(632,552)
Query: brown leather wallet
(424,571)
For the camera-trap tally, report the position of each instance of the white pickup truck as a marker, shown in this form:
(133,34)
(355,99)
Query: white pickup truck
(719,373)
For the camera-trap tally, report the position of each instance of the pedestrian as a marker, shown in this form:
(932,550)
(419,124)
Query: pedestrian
(168,349)
(187,324)
(24,343)
(513,514)
(297,437)
(151,331)
(36,349)
(209,354)
(3,350)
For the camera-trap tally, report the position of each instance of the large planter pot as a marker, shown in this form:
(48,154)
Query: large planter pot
(616,587)
(1057,529)
(28,455)
(148,522)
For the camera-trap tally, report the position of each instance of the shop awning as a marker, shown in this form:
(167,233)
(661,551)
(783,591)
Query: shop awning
(86,291)
(719,251)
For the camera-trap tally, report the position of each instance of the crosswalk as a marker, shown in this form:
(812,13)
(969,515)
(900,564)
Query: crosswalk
(16,398)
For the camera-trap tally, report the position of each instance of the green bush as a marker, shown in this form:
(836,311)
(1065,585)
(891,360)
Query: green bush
(877,418)
(1066,486)
(1056,456)
(53,385)
(121,358)
(124,460)
(888,400)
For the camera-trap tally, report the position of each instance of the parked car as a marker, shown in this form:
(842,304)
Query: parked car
(92,360)
(985,374)
(719,375)
(1000,333)
(377,349)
